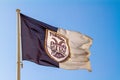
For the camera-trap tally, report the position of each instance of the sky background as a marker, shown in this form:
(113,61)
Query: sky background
(99,19)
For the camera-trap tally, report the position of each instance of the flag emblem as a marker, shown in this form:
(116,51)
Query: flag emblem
(56,46)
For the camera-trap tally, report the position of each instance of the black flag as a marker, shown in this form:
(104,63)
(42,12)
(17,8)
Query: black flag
(33,39)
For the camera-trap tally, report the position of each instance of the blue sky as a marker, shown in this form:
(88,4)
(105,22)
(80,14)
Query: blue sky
(99,19)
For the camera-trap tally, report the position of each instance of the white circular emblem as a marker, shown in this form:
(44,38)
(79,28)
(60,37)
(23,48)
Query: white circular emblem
(56,46)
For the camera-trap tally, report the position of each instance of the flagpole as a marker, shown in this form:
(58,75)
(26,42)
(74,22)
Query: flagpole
(18,45)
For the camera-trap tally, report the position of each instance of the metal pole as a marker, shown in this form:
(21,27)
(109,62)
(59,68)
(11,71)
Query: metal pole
(18,44)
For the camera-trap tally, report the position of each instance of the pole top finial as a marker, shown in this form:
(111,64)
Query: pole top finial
(18,10)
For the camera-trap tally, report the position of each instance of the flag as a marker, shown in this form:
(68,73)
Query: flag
(47,45)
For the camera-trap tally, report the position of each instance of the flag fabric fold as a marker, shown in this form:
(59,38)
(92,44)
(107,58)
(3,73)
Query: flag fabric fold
(79,49)
(51,46)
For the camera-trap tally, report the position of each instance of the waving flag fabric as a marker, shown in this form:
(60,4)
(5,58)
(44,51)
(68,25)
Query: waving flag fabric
(51,46)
